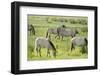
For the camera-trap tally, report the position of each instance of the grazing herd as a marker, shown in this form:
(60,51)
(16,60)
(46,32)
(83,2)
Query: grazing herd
(62,31)
(59,32)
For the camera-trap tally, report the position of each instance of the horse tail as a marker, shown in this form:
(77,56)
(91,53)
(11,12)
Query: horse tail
(47,34)
(53,47)
(86,41)
(72,46)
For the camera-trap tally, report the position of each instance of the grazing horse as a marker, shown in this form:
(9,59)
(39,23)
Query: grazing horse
(66,32)
(54,31)
(44,43)
(51,31)
(31,29)
(78,41)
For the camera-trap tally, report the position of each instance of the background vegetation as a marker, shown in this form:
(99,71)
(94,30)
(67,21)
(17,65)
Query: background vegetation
(42,23)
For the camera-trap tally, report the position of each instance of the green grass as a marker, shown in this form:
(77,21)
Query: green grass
(62,46)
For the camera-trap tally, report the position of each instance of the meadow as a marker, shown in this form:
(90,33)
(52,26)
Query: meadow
(42,23)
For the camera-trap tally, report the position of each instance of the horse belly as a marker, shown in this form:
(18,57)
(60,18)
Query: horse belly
(65,33)
(43,44)
(80,42)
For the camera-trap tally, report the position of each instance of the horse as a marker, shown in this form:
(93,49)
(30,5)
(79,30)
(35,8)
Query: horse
(51,31)
(42,42)
(66,32)
(31,29)
(79,41)
(54,31)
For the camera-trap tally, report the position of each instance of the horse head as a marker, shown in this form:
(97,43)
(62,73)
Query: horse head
(63,26)
(76,31)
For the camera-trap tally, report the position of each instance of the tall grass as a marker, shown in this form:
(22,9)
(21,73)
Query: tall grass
(62,46)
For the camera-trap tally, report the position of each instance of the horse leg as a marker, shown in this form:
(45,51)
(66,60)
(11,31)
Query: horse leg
(62,37)
(86,49)
(32,51)
(40,51)
(56,36)
(72,46)
(37,51)
(54,54)
(48,53)
(34,32)
(31,32)
(49,36)
(72,36)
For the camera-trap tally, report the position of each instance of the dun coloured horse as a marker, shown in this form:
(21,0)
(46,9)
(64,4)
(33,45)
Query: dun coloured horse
(79,41)
(54,31)
(62,32)
(42,42)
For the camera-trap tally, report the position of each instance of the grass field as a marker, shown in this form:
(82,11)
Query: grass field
(41,24)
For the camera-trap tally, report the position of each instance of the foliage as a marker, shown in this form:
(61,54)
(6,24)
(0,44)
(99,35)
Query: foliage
(42,23)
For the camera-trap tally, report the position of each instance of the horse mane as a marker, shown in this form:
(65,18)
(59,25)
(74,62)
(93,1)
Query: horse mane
(52,45)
